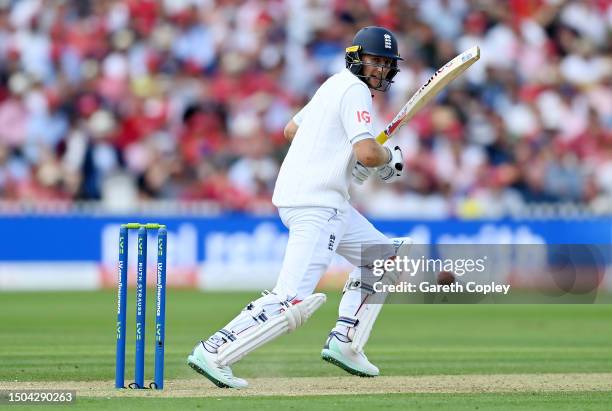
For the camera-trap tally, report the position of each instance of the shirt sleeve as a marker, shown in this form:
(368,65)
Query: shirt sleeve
(356,113)
(299,116)
(360,137)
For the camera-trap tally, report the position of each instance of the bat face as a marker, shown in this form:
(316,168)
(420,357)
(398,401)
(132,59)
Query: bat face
(430,89)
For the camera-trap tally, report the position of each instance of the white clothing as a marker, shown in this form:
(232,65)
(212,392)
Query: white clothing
(311,194)
(315,234)
(317,169)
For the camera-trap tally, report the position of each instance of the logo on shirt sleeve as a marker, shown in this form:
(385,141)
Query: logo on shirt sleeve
(363,116)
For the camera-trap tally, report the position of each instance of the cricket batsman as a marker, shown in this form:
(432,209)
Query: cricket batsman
(332,142)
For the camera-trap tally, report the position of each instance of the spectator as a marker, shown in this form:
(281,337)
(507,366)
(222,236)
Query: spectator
(186,100)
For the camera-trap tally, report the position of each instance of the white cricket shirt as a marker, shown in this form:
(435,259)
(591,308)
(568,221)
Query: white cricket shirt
(317,169)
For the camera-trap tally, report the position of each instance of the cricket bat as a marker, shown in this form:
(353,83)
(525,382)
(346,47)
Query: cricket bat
(429,90)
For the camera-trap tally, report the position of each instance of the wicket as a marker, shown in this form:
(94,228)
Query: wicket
(141,290)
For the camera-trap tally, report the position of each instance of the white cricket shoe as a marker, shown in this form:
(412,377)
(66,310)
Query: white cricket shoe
(338,351)
(204,362)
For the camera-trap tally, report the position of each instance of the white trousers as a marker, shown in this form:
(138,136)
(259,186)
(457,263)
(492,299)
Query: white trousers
(315,234)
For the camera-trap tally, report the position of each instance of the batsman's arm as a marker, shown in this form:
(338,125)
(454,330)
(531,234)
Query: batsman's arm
(370,153)
(290,129)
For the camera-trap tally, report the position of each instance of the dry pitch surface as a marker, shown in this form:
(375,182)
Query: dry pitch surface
(502,383)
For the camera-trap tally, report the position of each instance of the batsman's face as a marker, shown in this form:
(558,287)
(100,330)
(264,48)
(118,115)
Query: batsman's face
(376,69)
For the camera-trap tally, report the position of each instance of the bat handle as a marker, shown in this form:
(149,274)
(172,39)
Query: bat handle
(382,137)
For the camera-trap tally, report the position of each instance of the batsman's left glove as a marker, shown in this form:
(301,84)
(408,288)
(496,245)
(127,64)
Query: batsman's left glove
(393,169)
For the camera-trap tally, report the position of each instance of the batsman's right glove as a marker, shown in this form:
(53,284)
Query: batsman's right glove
(361,173)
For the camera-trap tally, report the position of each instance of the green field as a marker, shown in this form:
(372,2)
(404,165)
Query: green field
(443,357)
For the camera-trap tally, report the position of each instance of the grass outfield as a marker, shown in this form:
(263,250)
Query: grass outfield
(54,338)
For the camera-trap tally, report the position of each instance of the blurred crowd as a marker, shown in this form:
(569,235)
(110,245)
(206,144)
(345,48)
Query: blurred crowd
(125,100)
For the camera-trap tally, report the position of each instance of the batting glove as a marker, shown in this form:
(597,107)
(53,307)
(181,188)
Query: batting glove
(361,173)
(393,169)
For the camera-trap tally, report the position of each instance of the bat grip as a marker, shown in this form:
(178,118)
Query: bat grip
(382,137)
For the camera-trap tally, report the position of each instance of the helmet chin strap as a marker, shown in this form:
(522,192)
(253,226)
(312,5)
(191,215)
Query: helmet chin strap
(383,83)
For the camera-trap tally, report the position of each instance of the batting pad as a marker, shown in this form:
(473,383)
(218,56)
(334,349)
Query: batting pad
(368,313)
(291,318)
